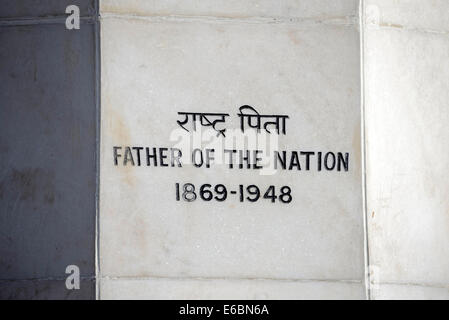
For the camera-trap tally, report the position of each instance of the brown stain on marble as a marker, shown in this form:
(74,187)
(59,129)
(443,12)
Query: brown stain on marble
(121,137)
(135,9)
(140,233)
(220,29)
(119,130)
(391,25)
(294,37)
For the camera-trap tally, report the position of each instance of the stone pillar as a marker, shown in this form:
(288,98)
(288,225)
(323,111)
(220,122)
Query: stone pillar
(406,54)
(48,122)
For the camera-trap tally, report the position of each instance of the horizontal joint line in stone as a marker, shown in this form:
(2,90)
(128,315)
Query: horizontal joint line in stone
(337,21)
(136,278)
(45,279)
(412,284)
(397,27)
(24,21)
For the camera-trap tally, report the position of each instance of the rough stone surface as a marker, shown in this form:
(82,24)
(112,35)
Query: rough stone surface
(13,9)
(48,162)
(45,290)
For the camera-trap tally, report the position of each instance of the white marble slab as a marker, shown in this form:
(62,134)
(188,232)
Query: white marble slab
(153,68)
(406,72)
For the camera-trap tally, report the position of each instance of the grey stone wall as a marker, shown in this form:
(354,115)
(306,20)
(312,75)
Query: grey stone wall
(48,125)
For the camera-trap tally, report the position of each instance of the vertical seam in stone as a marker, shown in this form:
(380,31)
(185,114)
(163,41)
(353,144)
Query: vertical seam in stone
(363,139)
(97,148)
